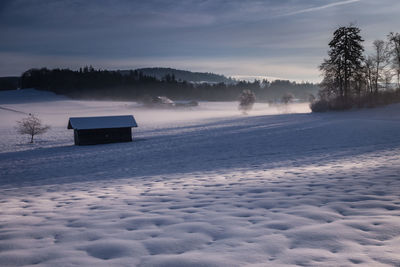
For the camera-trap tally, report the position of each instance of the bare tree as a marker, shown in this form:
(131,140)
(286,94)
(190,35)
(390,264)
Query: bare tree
(369,74)
(380,60)
(387,78)
(360,85)
(287,98)
(31,126)
(394,44)
(246,101)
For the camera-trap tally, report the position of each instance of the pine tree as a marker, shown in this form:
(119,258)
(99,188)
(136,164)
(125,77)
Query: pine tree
(344,62)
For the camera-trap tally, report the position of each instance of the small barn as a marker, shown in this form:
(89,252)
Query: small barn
(102,130)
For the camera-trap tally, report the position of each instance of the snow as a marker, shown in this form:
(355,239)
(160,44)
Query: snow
(101,122)
(205,186)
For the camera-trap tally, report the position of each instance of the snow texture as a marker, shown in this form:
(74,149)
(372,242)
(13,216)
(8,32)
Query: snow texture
(201,187)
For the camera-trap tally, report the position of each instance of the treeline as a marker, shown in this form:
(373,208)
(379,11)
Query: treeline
(88,83)
(184,75)
(9,83)
(354,79)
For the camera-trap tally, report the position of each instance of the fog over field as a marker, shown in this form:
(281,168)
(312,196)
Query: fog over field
(205,186)
(56,110)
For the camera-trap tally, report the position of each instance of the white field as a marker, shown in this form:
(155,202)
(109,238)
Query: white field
(201,187)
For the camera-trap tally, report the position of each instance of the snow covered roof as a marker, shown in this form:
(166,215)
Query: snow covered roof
(86,123)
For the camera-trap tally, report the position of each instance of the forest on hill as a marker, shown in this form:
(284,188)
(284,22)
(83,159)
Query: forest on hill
(184,75)
(89,83)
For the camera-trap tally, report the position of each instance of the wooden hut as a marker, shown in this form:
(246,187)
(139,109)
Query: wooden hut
(102,130)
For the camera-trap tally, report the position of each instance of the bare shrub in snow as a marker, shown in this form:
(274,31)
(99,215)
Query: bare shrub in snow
(287,98)
(320,105)
(31,126)
(246,101)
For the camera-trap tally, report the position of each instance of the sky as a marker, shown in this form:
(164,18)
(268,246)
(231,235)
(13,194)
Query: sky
(285,39)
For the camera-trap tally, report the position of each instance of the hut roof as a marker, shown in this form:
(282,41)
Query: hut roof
(86,123)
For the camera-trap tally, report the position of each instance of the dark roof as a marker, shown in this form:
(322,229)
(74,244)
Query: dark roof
(86,123)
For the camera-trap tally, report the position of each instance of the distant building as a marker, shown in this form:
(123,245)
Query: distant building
(162,101)
(102,130)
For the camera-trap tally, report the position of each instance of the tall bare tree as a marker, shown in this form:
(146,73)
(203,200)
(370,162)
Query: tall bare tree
(369,74)
(387,77)
(380,60)
(394,43)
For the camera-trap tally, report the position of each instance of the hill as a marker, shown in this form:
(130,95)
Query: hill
(184,75)
(9,83)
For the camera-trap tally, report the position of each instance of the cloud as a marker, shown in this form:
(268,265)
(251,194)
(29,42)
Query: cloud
(232,37)
(317,8)
(245,67)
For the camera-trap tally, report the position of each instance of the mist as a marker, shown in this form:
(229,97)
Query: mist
(211,110)
(55,110)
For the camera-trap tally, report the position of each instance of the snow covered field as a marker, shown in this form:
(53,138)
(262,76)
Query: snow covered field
(201,187)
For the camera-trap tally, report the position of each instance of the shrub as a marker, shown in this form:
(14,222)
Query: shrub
(319,106)
(246,101)
(287,98)
(31,126)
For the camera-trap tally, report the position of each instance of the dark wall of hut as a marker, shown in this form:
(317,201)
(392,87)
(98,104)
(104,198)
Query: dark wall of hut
(102,136)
